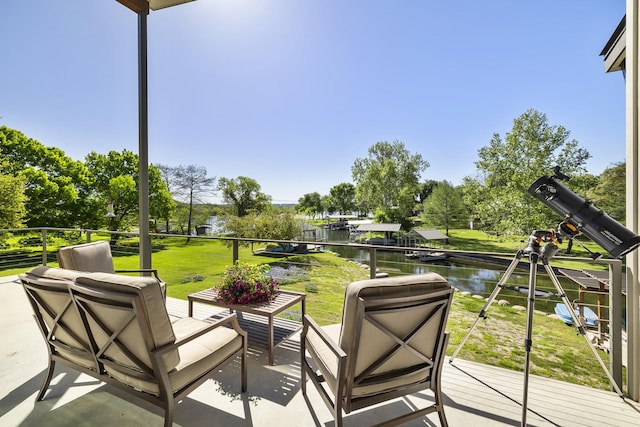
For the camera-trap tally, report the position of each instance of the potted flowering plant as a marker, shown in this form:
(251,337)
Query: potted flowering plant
(244,283)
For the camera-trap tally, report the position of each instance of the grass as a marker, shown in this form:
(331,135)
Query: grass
(474,240)
(558,352)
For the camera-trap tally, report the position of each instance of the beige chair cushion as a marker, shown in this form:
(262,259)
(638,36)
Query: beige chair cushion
(380,288)
(173,319)
(197,357)
(325,359)
(94,256)
(159,322)
(54,273)
(372,342)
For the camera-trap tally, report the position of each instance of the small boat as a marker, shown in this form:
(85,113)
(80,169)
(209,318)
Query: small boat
(340,225)
(432,256)
(426,256)
(412,254)
(590,318)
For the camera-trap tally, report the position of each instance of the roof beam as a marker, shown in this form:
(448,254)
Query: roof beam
(138,6)
(161,4)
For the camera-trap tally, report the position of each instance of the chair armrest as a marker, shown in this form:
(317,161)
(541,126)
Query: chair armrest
(308,322)
(142,270)
(231,318)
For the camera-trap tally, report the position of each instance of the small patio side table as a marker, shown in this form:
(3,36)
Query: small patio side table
(259,320)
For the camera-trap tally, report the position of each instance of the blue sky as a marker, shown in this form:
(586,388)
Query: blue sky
(291,92)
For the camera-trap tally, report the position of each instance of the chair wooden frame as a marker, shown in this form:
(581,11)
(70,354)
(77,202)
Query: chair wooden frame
(368,308)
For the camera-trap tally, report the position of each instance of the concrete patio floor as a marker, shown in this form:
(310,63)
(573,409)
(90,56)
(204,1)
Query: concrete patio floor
(475,394)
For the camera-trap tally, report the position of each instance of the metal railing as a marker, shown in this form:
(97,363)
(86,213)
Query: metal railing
(27,247)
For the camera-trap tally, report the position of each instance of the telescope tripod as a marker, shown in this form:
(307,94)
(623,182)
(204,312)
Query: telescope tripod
(536,253)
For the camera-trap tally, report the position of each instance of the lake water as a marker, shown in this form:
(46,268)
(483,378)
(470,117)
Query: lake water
(466,277)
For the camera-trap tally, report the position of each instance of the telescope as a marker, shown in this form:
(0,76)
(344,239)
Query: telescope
(582,216)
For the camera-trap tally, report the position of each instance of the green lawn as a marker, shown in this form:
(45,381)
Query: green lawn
(558,351)
(478,241)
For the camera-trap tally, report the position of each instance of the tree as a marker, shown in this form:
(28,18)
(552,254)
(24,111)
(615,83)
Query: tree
(609,193)
(193,185)
(424,191)
(114,178)
(168,175)
(161,203)
(344,197)
(389,178)
(269,224)
(310,204)
(181,218)
(445,207)
(54,183)
(582,184)
(328,204)
(506,168)
(12,201)
(472,191)
(12,198)
(244,194)
(182,214)
(277,224)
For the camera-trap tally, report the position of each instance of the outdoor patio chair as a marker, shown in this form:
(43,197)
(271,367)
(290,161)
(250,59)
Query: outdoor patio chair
(116,328)
(97,257)
(391,343)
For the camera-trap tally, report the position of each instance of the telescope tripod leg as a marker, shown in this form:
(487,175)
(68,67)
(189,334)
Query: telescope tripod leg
(528,340)
(579,326)
(490,300)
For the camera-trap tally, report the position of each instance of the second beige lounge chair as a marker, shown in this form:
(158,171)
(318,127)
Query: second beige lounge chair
(391,343)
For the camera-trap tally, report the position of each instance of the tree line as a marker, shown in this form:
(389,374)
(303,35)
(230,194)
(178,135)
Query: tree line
(494,199)
(41,186)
